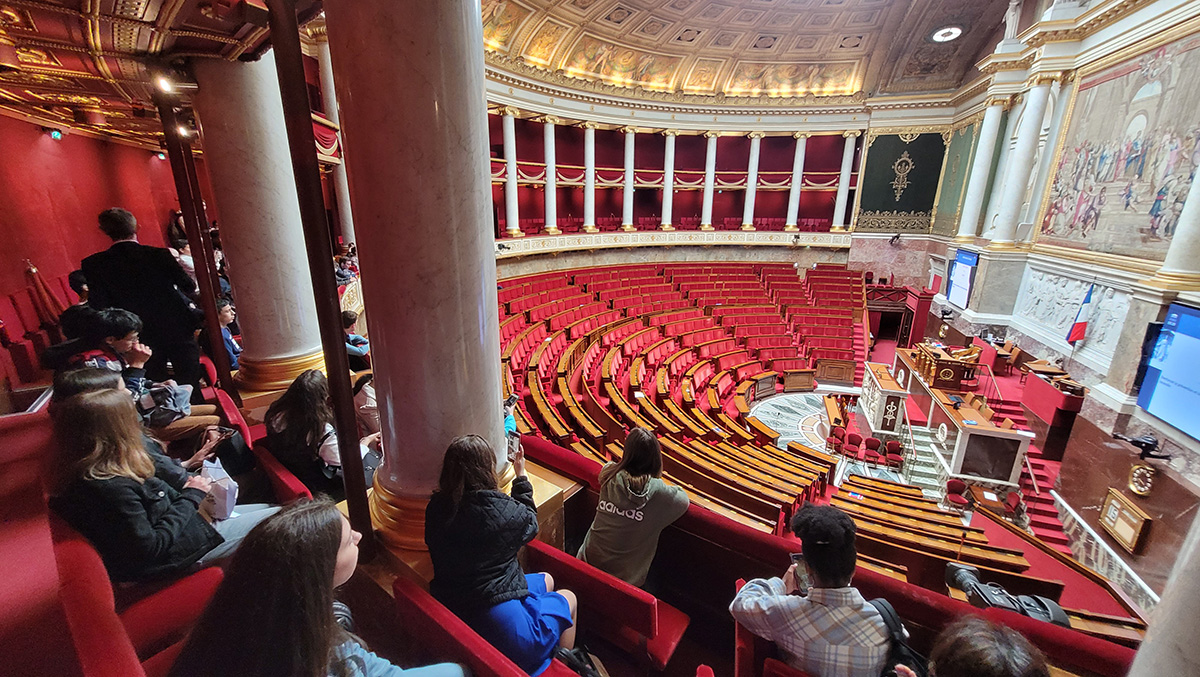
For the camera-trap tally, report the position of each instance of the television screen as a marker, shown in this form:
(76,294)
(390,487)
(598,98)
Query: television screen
(1170,389)
(962,276)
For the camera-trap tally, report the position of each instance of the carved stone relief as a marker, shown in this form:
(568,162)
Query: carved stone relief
(1051,301)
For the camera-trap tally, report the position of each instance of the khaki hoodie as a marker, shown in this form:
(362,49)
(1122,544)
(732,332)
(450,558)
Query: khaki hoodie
(624,536)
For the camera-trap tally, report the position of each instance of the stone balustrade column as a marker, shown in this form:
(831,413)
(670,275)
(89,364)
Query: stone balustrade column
(589,178)
(341,187)
(710,180)
(548,124)
(1181,268)
(627,189)
(793,208)
(1020,162)
(511,215)
(668,196)
(751,181)
(981,170)
(841,205)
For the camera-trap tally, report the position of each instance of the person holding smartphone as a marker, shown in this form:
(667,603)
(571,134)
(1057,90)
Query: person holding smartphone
(820,623)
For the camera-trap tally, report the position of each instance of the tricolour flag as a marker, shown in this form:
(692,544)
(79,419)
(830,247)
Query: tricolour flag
(1079,329)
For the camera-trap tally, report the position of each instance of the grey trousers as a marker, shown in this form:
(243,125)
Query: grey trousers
(234,529)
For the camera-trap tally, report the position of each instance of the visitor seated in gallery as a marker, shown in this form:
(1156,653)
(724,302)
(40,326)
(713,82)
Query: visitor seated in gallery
(143,520)
(635,506)
(342,271)
(226,314)
(301,435)
(974,647)
(274,611)
(474,532)
(365,408)
(357,347)
(820,623)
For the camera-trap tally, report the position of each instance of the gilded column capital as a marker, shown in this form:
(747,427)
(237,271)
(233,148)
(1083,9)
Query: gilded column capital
(551,120)
(670,132)
(589,125)
(628,129)
(711,134)
(1048,78)
(510,111)
(801,135)
(852,133)
(315,30)
(1005,102)
(755,135)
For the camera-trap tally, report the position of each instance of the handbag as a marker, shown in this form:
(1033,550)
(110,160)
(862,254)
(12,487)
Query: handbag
(579,661)
(233,452)
(900,653)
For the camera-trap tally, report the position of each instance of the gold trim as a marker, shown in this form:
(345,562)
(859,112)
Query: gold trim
(748,227)
(755,135)
(1172,281)
(666,227)
(399,520)
(511,111)
(514,232)
(275,373)
(1004,102)
(876,132)
(801,135)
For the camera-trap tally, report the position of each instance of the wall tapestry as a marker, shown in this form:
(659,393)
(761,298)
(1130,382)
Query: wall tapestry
(1128,156)
(899,182)
(955,175)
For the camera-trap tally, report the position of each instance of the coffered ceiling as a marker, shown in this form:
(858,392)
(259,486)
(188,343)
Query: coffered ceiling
(744,48)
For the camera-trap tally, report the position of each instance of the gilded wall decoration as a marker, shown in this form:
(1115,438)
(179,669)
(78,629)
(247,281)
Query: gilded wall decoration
(620,65)
(703,77)
(902,166)
(898,184)
(892,222)
(1128,155)
(501,18)
(541,47)
(960,155)
(793,78)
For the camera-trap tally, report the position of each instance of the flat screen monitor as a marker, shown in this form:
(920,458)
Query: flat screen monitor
(962,276)
(990,457)
(1171,388)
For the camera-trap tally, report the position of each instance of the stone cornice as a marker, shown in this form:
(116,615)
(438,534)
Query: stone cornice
(554,244)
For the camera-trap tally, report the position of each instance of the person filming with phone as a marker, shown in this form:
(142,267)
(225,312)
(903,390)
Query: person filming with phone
(820,623)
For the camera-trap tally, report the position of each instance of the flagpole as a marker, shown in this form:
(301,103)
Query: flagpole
(1087,300)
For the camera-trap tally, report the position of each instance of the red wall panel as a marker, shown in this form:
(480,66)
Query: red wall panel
(686,204)
(610,148)
(776,154)
(648,150)
(51,192)
(689,152)
(568,148)
(733,154)
(529,140)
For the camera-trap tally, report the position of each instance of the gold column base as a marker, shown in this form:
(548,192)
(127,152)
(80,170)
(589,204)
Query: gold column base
(1171,281)
(1003,246)
(515,233)
(628,228)
(747,227)
(591,229)
(706,226)
(964,239)
(399,520)
(666,227)
(838,229)
(791,229)
(553,230)
(275,373)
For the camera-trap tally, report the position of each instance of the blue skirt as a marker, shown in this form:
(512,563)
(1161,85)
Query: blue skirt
(526,630)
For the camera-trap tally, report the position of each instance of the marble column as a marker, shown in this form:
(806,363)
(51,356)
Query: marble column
(668,196)
(548,144)
(341,188)
(1170,646)
(589,178)
(627,190)
(248,160)
(793,208)
(710,180)
(988,226)
(1046,161)
(512,220)
(1181,267)
(1020,163)
(840,207)
(981,169)
(434,349)
(751,181)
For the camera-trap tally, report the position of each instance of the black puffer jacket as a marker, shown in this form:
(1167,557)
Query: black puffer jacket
(474,549)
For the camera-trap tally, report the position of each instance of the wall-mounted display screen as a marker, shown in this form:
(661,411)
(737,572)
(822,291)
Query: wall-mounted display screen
(1170,389)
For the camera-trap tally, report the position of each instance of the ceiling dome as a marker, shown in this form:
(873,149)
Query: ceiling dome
(744,48)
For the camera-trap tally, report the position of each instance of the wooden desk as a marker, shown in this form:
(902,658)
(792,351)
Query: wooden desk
(963,414)
(1044,369)
(1049,403)
(988,499)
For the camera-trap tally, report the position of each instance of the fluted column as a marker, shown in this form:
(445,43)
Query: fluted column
(435,341)
(843,189)
(511,215)
(981,169)
(793,208)
(1046,161)
(341,188)
(1170,646)
(710,180)
(1181,267)
(589,178)
(247,157)
(1020,163)
(751,181)
(551,175)
(627,191)
(668,196)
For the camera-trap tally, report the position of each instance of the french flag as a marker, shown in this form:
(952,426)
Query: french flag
(1079,329)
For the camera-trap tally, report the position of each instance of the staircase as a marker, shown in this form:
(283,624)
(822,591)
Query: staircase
(922,468)
(1039,504)
(860,351)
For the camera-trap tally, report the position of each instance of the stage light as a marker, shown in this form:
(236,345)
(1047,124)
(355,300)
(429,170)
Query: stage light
(162,156)
(946,34)
(184,132)
(55,134)
(164,85)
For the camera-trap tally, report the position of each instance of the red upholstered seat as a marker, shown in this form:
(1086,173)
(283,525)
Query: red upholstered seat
(955,486)
(958,500)
(852,446)
(892,447)
(1012,503)
(894,461)
(284,484)
(954,493)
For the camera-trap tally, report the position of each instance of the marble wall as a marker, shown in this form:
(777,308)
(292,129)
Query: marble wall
(908,260)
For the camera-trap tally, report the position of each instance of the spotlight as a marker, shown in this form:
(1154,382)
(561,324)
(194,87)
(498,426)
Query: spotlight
(162,156)
(55,134)
(164,84)
(183,130)
(946,34)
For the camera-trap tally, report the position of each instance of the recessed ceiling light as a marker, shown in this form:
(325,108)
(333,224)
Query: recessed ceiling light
(946,33)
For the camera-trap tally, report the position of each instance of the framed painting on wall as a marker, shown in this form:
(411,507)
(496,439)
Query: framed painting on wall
(1126,160)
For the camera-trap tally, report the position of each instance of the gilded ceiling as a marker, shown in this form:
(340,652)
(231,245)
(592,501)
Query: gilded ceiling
(745,48)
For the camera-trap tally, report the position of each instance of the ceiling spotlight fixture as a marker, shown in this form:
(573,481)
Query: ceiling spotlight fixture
(164,84)
(946,33)
(162,156)
(54,133)
(183,130)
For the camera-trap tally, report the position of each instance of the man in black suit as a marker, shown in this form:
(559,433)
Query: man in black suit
(150,283)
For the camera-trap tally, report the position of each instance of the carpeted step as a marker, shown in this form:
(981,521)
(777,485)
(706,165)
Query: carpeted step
(1063,548)
(1044,521)
(1050,536)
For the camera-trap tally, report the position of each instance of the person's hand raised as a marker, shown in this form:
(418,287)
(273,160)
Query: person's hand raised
(138,355)
(518,461)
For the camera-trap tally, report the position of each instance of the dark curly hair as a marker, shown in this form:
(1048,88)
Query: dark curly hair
(827,538)
(974,647)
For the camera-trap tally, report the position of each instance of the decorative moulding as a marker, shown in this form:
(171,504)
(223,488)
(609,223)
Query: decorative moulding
(553,244)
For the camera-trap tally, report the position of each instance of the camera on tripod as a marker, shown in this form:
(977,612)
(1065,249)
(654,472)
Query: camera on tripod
(987,595)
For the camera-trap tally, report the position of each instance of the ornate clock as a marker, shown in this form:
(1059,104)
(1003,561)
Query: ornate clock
(1141,479)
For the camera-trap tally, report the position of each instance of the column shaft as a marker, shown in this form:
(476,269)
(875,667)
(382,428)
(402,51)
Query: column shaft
(247,157)
(434,345)
(997,180)
(627,192)
(751,182)
(551,178)
(1046,161)
(341,187)
(1170,647)
(1181,267)
(793,208)
(589,179)
(710,180)
(843,189)
(981,170)
(1020,166)
(668,195)
(512,220)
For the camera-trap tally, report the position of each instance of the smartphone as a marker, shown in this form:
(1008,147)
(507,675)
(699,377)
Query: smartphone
(511,400)
(514,445)
(801,572)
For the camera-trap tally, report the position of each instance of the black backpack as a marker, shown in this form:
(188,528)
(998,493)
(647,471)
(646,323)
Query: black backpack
(901,653)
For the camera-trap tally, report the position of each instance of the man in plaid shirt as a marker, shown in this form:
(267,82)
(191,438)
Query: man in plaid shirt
(828,629)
